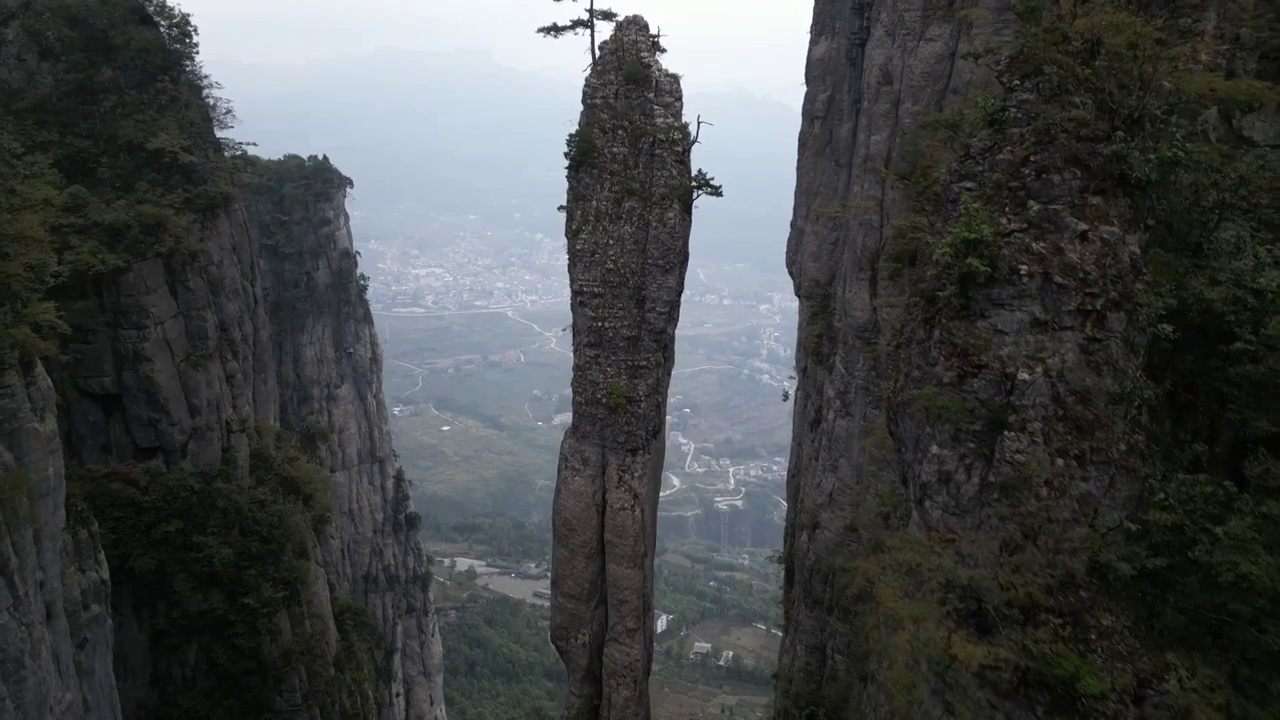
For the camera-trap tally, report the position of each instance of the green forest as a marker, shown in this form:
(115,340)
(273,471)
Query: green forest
(695,594)
(122,166)
(503,536)
(499,662)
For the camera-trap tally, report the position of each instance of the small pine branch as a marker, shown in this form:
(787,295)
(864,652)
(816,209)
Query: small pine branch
(702,184)
(580,25)
(705,185)
(559,30)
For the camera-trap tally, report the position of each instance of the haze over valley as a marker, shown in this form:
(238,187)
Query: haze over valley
(459,170)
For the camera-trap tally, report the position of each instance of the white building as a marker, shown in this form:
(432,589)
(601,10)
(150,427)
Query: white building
(700,650)
(660,620)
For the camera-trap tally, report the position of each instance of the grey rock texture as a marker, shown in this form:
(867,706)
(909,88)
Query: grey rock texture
(179,363)
(167,361)
(179,360)
(1054,330)
(628,218)
(329,366)
(56,634)
(171,361)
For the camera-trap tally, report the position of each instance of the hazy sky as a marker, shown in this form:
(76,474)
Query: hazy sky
(755,44)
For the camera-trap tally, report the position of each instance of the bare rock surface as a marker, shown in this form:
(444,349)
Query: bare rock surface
(329,374)
(56,631)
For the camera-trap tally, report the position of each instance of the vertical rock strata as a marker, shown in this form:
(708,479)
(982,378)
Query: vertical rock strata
(182,361)
(628,218)
(56,633)
(329,370)
(910,423)
(179,364)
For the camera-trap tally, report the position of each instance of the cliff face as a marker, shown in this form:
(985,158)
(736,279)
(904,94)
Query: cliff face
(628,218)
(225,439)
(873,73)
(979,494)
(56,633)
(329,370)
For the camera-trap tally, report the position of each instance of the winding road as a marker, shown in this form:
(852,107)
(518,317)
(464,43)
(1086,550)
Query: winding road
(512,314)
(705,367)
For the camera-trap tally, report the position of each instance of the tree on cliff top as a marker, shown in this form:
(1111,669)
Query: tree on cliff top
(183,38)
(587,24)
(105,160)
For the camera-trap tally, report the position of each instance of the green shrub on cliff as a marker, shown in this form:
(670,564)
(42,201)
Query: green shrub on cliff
(107,150)
(30,199)
(288,190)
(213,561)
(16,495)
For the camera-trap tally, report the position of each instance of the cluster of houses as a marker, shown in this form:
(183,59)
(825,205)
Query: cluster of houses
(701,650)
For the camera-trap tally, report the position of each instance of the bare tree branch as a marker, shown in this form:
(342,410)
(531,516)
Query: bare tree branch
(697,131)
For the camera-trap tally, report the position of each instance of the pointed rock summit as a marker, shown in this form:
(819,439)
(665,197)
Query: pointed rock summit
(628,217)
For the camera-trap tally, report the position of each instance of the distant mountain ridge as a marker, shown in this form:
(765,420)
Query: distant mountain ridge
(457,133)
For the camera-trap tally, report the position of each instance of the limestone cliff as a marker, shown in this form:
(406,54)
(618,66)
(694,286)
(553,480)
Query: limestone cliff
(329,370)
(871,77)
(628,218)
(231,535)
(981,493)
(56,632)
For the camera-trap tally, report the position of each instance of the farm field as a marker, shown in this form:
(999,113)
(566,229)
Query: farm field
(475,400)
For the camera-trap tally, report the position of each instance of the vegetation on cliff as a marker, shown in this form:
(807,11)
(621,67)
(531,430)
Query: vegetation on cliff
(214,560)
(110,156)
(290,194)
(294,201)
(582,150)
(1131,560)
(107,151)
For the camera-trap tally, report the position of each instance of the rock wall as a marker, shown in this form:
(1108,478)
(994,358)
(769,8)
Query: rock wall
(872,72)
(329,370)
(167,361)
(887,383)
(178,362)
(56,631)
(628,218)
(179,359)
